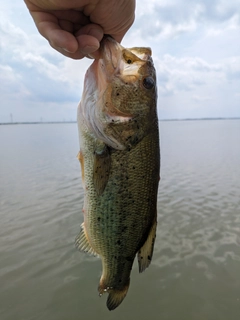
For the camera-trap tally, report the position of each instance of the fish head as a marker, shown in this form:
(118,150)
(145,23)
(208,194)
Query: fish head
(120,90)
(130,80)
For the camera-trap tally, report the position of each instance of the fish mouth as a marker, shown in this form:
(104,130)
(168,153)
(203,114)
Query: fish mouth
(112,65)
(110,54)
(114,60)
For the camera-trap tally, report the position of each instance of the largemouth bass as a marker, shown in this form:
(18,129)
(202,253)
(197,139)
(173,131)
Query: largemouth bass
(120,160)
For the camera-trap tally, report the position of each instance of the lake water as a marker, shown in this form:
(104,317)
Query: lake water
(195,272)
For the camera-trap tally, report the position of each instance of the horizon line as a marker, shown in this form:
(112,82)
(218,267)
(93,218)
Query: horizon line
(173,119)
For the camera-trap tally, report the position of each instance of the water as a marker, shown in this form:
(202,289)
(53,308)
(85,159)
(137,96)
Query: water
(195,272)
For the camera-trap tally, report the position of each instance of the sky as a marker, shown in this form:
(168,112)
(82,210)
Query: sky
(196,52)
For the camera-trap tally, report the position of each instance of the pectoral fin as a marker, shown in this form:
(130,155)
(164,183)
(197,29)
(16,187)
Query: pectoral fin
(81,160)
(101,168)
(146,252)
(82,242)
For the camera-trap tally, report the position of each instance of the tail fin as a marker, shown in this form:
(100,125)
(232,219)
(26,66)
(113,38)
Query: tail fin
(115,296)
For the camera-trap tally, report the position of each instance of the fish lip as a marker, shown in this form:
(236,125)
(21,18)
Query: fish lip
(108,40)
(111,52)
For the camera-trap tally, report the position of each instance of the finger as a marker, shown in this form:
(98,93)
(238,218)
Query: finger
(94,55)
(60,38)
(89,38)
(76,55)
(48,26)
(72,15)
(118,36)
(66,25)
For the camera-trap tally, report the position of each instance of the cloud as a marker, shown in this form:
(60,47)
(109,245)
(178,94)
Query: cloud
(195,48)
(185,74)
(232,68)
(11,83)
(201,98)
(191,87)
(36,71)
(36,81)
(168,19)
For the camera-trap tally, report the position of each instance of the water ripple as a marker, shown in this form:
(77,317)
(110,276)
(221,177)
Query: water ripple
(195,268)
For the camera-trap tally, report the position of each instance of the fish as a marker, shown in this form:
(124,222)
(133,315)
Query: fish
(120,164)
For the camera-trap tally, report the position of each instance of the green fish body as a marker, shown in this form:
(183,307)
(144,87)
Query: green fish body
(120,161)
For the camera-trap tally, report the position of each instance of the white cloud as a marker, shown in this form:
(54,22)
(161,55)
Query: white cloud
(191,87)
(201,98)
(11,83)
(169,19)
(33,68)
(195,47)
(186,74)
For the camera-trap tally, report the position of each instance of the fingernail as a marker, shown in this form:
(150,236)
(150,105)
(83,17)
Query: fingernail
(67,50)
(89,49)
(90,56)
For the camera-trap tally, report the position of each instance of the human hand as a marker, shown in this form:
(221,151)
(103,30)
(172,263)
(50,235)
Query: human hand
(76,27)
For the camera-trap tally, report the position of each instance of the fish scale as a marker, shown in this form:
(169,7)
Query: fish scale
(120,160)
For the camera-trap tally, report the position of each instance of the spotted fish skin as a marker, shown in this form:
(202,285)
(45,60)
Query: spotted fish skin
(120,161)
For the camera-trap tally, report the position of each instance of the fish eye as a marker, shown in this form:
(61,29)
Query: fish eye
(148,83)
(128,57)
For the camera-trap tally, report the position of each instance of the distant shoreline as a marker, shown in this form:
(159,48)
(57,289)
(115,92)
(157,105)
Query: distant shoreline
(61,122)
(36,122)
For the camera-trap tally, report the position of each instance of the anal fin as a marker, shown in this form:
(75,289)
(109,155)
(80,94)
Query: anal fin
(82,243)
(146,252)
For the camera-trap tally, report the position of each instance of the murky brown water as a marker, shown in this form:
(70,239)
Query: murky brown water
(195,273)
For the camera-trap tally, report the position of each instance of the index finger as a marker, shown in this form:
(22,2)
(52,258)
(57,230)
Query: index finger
(48,26)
